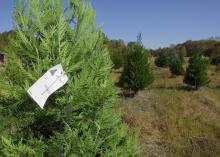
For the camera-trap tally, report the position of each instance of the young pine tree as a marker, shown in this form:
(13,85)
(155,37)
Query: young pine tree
(137,73)
(78,119)
(176,63)
(162,59)
(196,74)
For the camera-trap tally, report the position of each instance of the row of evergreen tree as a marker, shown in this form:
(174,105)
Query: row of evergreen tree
(137,72)
(209,48)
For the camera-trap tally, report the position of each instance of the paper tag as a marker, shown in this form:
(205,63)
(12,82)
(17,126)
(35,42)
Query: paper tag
(50,82)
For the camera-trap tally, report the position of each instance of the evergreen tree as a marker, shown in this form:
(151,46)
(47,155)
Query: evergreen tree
(176,63)
(181,54)
(117,49)
(196,74)
(78,119)
(117,59)
(162,59)
(215,56)
(137,73)
(183,50)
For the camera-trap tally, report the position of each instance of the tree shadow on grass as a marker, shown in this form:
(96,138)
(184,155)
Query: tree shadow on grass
(127,94)
(178,88)
(214,87)
(218,87)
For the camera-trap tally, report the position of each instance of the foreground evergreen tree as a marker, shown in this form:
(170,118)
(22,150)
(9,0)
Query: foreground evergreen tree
(196,74)
(137,73)
(79,119)
(176,63)
(162,59)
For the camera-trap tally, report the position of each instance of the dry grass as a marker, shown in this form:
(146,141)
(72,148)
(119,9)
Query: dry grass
(173,120)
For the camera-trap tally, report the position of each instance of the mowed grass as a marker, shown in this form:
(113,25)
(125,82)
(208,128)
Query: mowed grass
(175,121)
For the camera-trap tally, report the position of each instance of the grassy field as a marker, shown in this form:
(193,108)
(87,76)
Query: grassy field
(175,121)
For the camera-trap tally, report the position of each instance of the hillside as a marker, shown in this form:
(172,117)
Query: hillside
(173,120)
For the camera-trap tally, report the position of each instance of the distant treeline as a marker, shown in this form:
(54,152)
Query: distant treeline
(207,47)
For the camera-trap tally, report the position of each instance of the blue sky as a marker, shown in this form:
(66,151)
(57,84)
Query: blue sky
(162,22)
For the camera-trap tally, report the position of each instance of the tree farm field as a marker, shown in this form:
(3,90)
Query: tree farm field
(77,84)
(172,119)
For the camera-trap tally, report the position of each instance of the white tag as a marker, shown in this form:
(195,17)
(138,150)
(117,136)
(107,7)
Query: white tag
(51,81)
